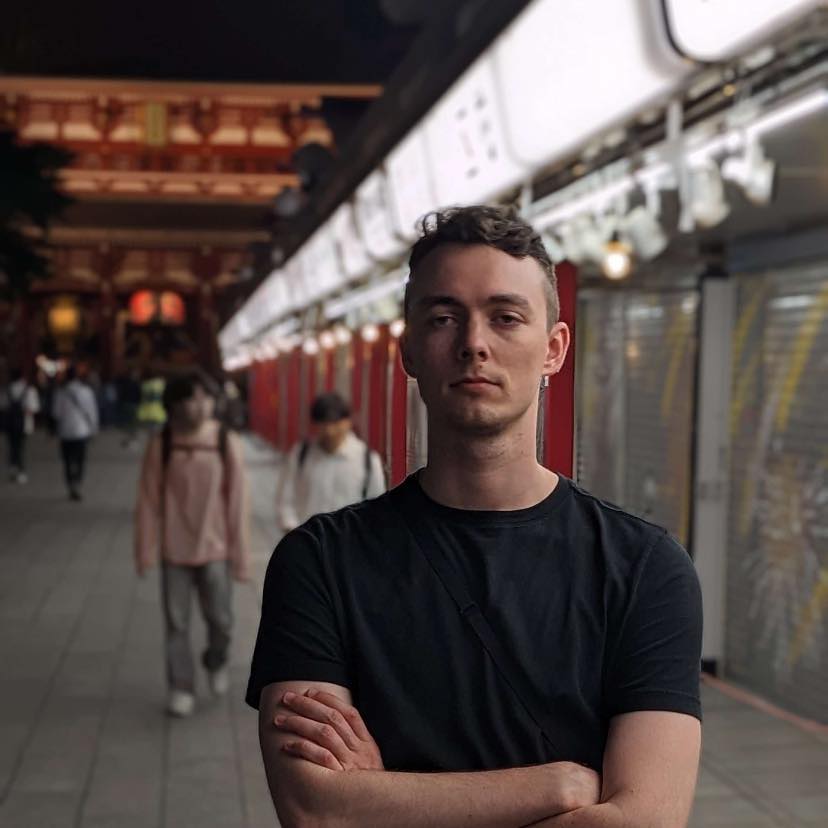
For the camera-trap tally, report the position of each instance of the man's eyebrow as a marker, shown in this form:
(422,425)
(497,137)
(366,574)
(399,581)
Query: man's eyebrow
(510,299)
(427,302)
(514,299)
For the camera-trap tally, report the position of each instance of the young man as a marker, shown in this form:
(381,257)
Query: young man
(19,402)
(382,700)
(333,470)
(75,412)
(192,514)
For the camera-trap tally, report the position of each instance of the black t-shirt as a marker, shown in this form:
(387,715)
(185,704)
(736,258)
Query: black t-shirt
(602,610)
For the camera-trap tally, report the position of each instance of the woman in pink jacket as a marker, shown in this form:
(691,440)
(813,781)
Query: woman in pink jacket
(191,515)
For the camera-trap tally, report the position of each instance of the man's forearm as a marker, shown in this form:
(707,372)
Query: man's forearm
(604,815)
(510,797)
(612,815)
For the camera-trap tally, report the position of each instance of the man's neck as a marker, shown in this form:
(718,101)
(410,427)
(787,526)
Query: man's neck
(486,472)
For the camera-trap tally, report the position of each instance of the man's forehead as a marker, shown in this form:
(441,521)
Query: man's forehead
(473,268)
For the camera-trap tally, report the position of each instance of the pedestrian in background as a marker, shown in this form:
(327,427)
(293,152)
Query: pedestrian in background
(151,414)
(191,514)
(75,412)
(19,402)
(333,469)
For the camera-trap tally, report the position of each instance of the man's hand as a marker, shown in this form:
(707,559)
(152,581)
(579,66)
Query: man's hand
(332,733)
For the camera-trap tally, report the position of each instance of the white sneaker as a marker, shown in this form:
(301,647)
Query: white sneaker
(180,703)
(219,681)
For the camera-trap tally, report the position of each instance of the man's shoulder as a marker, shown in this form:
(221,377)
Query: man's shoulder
(372,514)
(622,534)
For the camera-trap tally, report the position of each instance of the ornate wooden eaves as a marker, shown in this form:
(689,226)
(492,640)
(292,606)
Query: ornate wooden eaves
(172,141)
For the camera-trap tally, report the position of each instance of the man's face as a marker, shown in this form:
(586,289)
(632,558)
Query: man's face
(331,435)
(196,409)
(477,338)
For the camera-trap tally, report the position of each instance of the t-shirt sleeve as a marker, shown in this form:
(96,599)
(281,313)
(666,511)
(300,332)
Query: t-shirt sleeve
(299,636)
(657,659)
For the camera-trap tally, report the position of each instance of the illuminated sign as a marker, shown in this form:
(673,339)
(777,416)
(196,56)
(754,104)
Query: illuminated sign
(375,218)
(411,194)
(712,30)
(567,69)
(352,254)
(467,151)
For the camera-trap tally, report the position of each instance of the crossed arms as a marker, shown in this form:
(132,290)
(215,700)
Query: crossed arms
(324,769)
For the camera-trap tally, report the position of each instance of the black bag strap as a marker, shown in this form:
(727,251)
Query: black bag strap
(304,447)
(78,406)
(510,671)
(367,476)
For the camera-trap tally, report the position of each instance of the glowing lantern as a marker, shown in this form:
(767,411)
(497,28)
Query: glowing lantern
(172,308)
(64,317)
(143,306)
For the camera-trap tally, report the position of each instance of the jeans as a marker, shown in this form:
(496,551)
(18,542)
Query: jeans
(74,460)
(213,586)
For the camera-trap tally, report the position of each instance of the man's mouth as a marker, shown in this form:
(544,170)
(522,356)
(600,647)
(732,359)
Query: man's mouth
(474,381)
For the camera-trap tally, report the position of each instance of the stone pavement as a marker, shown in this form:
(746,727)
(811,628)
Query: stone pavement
(83,739)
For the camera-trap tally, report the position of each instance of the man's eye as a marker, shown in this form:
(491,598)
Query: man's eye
(441,321)
(507,319)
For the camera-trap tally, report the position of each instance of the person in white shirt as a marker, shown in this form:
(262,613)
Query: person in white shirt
(19,402)
(332,470)
(76,416)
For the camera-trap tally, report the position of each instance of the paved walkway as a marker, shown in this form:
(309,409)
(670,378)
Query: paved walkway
(84,743)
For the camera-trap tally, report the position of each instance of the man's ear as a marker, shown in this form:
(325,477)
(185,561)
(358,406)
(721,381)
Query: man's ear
(406,356)
(557,345)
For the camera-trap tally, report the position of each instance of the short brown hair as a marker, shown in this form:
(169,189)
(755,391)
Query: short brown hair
(498,227)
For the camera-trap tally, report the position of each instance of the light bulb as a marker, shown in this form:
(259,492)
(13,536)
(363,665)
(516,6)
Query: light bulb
(617,261)
(342,335)
(396,328)
(327,340)
(370,332)
(310,346)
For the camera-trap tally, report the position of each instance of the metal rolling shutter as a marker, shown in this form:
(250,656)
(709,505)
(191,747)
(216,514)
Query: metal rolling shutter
(777,567)
(635,402)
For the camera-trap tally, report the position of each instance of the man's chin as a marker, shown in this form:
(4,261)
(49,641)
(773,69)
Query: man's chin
(479,421)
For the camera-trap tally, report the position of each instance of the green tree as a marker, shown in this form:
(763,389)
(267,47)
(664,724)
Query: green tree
(30,198)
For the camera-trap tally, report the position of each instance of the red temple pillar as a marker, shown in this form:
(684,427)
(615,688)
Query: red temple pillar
(559,419)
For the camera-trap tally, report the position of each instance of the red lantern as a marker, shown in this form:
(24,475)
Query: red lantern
(143,306)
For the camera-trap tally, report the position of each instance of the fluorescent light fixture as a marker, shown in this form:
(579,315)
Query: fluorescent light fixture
(365,296)
(797,302)
(792,111)
(735,139)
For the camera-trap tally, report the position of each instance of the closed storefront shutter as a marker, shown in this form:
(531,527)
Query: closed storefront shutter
(777,568)
(635,386)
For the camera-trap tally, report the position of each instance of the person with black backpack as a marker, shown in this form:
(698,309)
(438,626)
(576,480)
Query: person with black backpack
(75,411)
(19,402)
(191,515)
(332,470)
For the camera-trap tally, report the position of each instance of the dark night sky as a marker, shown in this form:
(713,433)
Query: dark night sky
(334,41)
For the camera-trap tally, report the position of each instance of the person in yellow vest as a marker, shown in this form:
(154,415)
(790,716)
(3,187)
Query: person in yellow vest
(151,414)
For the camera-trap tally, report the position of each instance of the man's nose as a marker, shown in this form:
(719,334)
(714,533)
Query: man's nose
(472,343)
